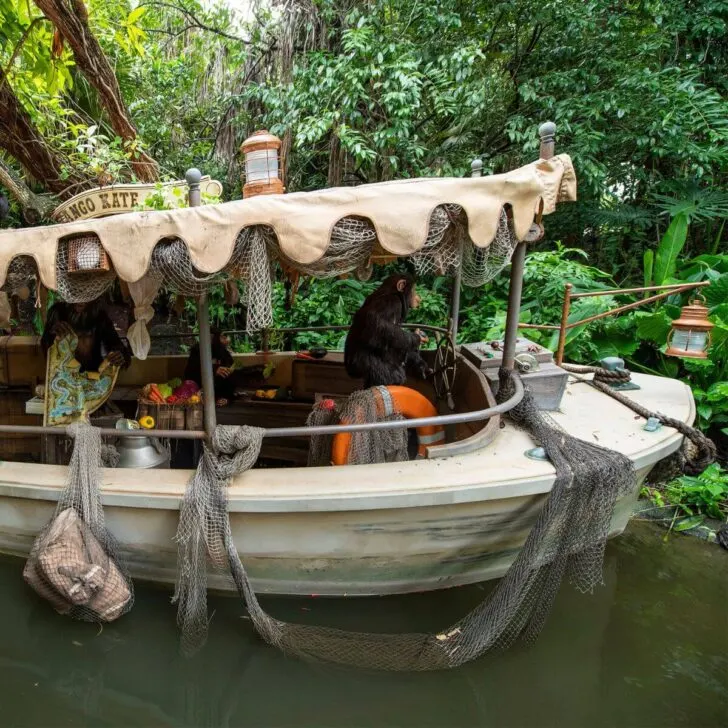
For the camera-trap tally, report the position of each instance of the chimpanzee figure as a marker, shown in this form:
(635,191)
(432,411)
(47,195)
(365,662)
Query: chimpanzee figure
(377,348)
(97,337)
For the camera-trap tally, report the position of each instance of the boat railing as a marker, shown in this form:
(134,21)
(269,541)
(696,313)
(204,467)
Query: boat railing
(441,420)
(298,330)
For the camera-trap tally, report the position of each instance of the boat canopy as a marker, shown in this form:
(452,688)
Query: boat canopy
(303,222)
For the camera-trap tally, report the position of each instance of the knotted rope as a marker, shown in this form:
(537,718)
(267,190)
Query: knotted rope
(692,463)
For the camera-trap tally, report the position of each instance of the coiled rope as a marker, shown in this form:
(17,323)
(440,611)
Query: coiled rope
(692,463)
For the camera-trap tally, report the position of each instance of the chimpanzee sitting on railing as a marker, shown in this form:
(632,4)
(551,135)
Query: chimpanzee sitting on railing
(377,348)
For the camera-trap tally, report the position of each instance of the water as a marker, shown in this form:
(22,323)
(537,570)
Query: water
(649,649)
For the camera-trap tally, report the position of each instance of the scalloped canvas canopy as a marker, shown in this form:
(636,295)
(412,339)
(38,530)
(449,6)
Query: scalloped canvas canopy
(399,211)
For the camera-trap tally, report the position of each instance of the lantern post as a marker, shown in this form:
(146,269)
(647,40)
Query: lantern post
(193,177)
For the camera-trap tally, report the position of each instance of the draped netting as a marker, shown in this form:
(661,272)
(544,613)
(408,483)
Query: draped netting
(365,447)
(22,272)
(75,562)
(449,248)
(249,263)
(350,247)
(568,539)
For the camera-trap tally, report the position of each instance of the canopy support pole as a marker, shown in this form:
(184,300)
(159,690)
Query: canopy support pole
(547,132)
(455,305)
(193,177)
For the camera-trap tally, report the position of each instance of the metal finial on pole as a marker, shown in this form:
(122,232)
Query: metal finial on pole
(547,132)
(193,177)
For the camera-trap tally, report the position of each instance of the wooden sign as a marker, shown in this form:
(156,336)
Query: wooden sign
(116,199)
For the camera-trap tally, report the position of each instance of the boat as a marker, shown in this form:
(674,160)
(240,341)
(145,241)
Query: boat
(457,516)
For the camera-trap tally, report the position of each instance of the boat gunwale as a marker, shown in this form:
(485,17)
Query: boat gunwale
(466,491)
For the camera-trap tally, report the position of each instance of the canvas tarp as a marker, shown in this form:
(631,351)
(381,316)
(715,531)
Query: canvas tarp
(400,212)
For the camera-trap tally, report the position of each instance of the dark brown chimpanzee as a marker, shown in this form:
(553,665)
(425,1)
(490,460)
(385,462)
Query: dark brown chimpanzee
(222,363)
(97,337)
(377,348)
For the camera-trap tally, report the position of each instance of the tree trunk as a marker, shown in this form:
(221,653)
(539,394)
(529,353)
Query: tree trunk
(20,138)
(70,17)
(35,207)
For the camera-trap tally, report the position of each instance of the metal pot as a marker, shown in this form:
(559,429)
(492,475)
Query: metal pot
(142,452)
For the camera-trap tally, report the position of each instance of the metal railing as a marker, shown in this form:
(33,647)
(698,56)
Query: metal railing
(438,420)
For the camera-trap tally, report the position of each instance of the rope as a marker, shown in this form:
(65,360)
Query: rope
(600,374)
(692,463)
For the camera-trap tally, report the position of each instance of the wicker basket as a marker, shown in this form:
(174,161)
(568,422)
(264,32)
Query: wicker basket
(86,255)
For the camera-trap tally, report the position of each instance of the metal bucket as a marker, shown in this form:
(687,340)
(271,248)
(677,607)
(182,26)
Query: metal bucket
(142,452)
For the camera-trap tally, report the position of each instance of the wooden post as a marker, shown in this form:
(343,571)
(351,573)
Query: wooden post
(193,177)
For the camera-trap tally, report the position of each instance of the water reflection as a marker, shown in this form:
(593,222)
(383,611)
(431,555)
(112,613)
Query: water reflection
(649,649)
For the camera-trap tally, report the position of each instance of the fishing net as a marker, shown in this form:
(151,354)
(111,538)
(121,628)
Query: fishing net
(22,272)
(172,266)
(481,265)
(83,269)
(74,562)
(365,447)
(568,539)
(449,248)
(350,247)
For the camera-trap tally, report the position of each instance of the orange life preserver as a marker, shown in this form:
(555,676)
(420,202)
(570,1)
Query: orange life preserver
(407,402)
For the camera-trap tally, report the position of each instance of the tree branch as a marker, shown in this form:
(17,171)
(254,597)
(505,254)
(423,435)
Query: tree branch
(71,20)
(194,22)
(22,140)
(35,207)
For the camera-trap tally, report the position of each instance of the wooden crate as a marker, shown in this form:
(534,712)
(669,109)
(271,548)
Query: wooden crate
(172,416)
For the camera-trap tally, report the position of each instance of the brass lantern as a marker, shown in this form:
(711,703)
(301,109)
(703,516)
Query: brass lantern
(262,174)
(690,334)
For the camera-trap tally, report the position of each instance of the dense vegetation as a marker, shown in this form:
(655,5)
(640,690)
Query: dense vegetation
(368,91)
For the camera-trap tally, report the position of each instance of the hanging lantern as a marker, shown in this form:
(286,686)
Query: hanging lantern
(262,175)
(690,334)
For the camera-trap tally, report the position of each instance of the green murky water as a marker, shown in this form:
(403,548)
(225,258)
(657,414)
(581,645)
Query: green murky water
(648,649)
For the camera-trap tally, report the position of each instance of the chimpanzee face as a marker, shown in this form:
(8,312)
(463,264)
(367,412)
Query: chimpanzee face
(414,299)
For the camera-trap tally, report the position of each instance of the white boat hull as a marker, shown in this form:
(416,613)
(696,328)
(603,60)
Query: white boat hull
(361,530)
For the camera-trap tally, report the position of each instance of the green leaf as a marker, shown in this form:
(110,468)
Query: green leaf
(654,327)
(648,261)
(716,293)
(136,14)
(669,248)
(687,523)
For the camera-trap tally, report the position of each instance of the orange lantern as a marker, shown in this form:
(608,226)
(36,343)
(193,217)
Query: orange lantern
(262,174)
(690,334)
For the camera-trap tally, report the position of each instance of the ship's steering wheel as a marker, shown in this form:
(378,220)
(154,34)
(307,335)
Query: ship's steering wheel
(443,376)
